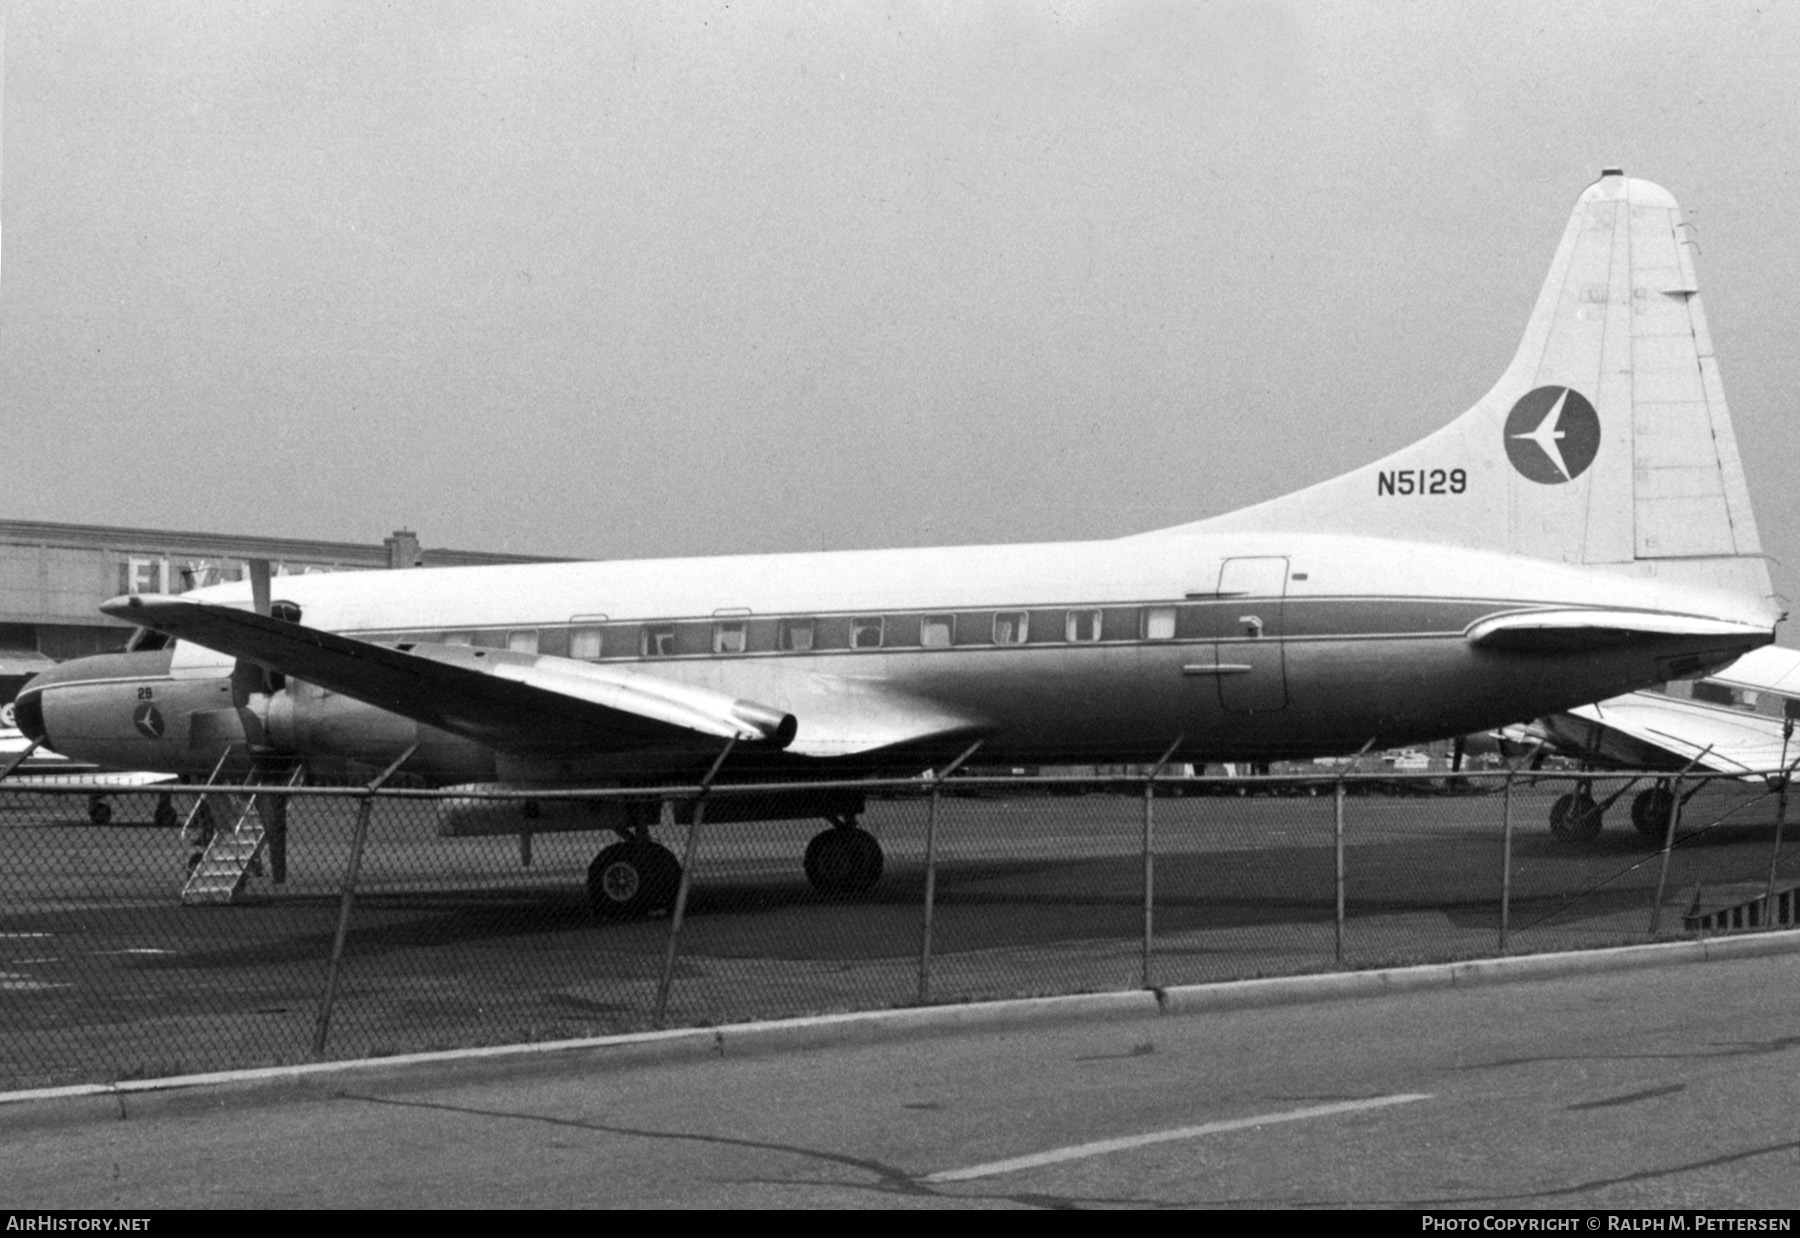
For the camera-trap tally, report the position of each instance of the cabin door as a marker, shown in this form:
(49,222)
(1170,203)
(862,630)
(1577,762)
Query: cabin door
(1252,673)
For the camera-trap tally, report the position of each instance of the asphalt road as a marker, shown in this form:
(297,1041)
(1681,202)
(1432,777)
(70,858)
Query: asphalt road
(1673,1088)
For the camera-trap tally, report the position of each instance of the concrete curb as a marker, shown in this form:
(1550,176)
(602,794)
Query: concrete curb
(324,1080)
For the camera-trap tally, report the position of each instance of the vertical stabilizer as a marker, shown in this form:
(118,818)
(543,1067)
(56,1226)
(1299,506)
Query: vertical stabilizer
(1607,442)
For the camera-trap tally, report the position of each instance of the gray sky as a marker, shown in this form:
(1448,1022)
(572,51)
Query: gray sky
(628,279)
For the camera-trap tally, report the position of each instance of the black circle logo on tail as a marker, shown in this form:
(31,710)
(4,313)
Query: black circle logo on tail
(148,720)
(1552,435)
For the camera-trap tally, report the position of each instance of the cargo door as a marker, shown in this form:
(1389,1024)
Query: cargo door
(1252,674)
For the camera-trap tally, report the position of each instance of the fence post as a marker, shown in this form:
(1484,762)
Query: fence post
(1662,877)
(1506,835)
(1150,857)
(1338,844)
(352,871)
(1506,841)
(930,908)
(667,980)
(1338,847)
(931,811)
(1787,776)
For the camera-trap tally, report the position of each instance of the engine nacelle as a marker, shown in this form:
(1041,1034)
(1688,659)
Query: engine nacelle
(340,737)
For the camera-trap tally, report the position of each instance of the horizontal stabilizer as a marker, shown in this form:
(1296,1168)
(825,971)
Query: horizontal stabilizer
(1769,669)
(1558,631)
(510,701)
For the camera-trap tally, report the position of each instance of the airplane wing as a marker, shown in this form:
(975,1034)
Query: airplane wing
(514,702)
(1657,731)
(535,703)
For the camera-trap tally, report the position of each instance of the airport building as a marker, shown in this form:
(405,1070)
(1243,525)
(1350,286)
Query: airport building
(53,578)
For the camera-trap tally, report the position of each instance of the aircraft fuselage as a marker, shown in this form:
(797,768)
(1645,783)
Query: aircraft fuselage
(1243,647)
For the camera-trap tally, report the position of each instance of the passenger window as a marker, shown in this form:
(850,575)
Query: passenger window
(936,631)
(1010,627)
(585,642)
(1159,623)
(865,633)
(1083,625)
(659,640)
(525,641)
(728,637)
(797,635)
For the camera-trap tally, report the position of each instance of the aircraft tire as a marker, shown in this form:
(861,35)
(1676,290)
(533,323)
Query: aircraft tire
(1575,818)
(99,811)
(1650,812)
(843,861)
(633,879)
(165,817)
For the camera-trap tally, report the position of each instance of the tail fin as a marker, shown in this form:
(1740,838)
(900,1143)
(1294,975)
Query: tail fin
(1607,441)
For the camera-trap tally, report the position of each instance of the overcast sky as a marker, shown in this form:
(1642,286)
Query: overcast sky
(623,279)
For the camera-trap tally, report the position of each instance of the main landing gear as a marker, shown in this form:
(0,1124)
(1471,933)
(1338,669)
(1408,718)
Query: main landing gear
(100,812)
(1576,818)
(844,859)
(640,877)
(1651,809)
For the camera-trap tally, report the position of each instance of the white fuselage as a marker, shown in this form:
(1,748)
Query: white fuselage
(1239,646)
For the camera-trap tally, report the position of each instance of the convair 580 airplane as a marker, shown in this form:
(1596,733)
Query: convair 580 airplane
(1582,531)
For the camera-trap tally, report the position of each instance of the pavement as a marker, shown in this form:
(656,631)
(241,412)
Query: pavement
(188,1094)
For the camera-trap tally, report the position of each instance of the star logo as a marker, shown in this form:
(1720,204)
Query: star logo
(148,720)
(1552,435)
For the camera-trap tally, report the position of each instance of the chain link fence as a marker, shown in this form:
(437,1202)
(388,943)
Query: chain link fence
(354,927)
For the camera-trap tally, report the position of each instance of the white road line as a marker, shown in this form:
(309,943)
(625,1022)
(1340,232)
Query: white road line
(1082,1150)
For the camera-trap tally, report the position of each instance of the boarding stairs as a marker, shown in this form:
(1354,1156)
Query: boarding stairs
(1742,905)
(233,853)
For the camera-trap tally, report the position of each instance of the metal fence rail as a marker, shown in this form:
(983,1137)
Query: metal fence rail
(385,937)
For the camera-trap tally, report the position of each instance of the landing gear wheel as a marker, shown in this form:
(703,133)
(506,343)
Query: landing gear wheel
(99,811)
(1575,818)
(1651,810)
(633,879)
(165,817)
(843,860)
